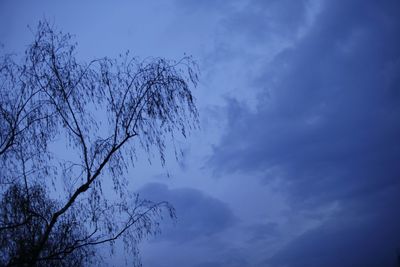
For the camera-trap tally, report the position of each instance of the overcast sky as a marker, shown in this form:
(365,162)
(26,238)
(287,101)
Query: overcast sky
(297,162)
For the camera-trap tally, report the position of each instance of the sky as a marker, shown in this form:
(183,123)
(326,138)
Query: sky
(296,162)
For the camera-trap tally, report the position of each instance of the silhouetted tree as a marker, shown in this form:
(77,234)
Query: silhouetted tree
(108,111)
(25,212)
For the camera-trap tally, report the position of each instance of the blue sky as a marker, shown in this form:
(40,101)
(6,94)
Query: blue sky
(296,163)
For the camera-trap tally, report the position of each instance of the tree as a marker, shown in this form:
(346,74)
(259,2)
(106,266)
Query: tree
(24,216)
(108,111)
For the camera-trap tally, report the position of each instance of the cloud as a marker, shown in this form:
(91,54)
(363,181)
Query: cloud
(230,258)
(199,215)
(263,232)
(326,127)
(329,122)
(260,20)
(357,240)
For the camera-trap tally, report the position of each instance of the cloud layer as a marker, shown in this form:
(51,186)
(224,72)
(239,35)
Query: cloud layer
(327,127)
(199,215)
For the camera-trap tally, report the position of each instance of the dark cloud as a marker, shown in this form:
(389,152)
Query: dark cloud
(327,126)
(267,232)
(347,241)
(199,215)
(330,122)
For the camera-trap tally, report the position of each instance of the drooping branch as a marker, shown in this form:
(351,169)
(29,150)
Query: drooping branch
(147,101)
(134,219)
